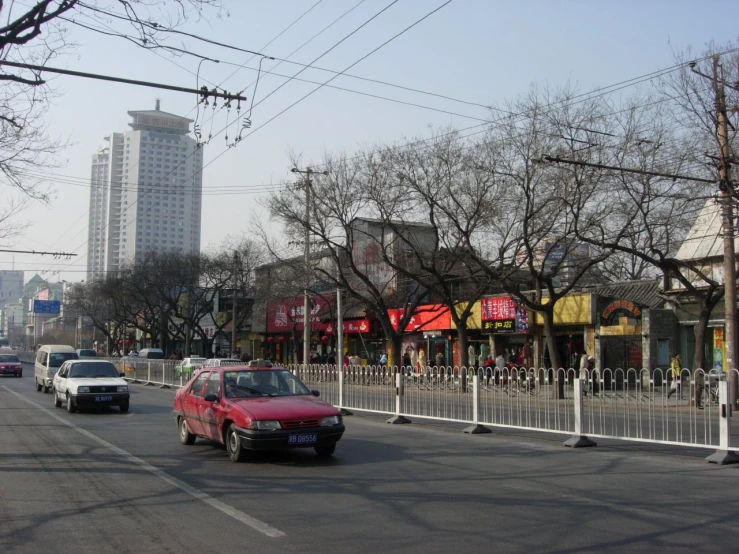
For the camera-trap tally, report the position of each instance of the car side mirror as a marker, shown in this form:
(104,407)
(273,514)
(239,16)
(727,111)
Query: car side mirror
(315,393)
(212,397)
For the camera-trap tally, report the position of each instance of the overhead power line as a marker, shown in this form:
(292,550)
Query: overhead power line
(203,93)
(38,253)
(226,127)
(555,159)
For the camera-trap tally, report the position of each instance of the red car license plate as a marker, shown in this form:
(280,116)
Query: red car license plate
(305,438)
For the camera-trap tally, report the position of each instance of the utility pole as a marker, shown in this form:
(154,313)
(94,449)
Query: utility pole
(233,304)
(307,183)
(726,188)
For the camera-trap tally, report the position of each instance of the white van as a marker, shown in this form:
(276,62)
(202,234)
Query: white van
(49,359)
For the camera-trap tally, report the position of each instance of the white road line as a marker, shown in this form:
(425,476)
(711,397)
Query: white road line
(238,515)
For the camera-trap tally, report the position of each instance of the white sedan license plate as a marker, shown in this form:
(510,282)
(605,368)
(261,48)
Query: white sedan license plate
(103,398)
(306,438)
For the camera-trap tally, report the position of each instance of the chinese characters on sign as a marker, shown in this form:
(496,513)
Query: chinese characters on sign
(620,308)
(351,326)
(503,315)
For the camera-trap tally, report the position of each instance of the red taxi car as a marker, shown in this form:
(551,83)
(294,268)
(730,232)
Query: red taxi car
(255,408)
(10,364)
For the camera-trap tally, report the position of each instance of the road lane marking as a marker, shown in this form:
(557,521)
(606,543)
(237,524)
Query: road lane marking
(238,515)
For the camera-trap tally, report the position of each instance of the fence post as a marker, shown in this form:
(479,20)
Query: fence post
(341,407)
(723,455)
(148,374)
(578,440)
(476,428)
(397,418)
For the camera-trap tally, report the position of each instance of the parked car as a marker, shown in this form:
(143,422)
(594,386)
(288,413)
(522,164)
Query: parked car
(10,364)
(86,353)
(255,408)
(222,362)
(151,353)
(187,366)
(89,383)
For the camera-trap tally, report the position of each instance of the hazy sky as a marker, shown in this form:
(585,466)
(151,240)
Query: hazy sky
(477,51)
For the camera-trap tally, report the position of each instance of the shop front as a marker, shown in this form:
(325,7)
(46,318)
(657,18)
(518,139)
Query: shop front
(620,333)
(574,332)
(284,337)
(358,340)
(506,320)
(426,341)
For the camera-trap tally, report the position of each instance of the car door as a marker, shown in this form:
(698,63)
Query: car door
(209,410)
(60,379)
(190,401)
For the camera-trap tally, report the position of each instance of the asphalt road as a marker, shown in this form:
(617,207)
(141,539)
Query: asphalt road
(104,481)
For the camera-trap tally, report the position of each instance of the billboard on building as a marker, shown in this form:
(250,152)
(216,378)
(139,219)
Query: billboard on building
(503,314)
(46,306)
(286,315)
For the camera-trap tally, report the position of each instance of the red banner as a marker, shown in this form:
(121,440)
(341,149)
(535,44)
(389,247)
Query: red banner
(497,309)
(351,326)
(430,317)
(285,315)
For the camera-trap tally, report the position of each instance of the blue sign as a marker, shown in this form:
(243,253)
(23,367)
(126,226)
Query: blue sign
(46,306)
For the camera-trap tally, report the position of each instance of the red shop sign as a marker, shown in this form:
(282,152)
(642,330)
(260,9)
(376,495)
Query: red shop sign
(350,326)
(430,317)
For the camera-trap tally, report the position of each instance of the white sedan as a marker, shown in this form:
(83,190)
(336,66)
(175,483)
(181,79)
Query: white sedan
(89,384)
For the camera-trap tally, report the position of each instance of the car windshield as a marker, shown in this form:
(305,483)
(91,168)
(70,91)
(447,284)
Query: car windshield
(88,352)
(56,359)
(264,382)
(8,358)
(95,369)
(155,355)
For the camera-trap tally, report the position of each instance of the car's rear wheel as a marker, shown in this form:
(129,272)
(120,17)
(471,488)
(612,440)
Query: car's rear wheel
(38,385)
(236,451)
(57,402)
(124,407)
(71,408)
(325,451)
(186,437)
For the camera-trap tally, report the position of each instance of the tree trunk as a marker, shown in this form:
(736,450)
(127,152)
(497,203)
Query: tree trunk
(396,340)
(699,357)
(559,379)
(464,357)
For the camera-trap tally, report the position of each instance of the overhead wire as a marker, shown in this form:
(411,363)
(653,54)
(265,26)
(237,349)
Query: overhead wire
(294,22)
(609,89)
(225,128)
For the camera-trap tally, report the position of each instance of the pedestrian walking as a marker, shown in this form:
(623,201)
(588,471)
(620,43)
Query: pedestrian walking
(676,372)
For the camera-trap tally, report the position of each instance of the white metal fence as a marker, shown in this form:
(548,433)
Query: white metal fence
(624,404)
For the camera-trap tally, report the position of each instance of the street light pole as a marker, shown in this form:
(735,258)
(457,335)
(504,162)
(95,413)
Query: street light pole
(233,304)
(307,183)
(726,189)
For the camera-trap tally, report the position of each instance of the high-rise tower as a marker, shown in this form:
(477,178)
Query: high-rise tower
(146,192)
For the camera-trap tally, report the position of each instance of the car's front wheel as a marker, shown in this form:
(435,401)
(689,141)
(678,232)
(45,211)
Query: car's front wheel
(124,407)
(236,451)
(57,402)
(46,389)
(325,451)
(71,408)
(186,437)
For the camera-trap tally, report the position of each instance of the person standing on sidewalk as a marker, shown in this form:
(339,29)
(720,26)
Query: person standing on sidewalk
(676,372)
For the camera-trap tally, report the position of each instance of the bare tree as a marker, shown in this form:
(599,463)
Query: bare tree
(345,230)
(443,188)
